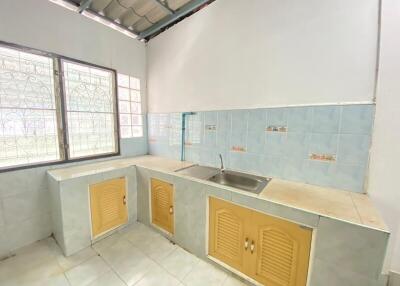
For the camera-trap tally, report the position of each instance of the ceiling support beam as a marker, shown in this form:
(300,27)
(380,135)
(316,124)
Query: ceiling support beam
(164,6)
(84,5)
(184,10)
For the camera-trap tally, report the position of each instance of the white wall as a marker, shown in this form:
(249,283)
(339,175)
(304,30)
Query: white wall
(260,53)
(40,24)
(384,184)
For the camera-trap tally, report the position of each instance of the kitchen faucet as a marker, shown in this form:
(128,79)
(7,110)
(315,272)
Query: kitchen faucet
(222,169)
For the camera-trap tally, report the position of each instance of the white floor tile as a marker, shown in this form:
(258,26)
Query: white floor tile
(158,247)
(87,272)
(179,263)
(108,279)
(158,276)
(32,264)
(135,256)
(205,274)
(107,242)
(130,263)
(232,281)
(80,257)
(137,233)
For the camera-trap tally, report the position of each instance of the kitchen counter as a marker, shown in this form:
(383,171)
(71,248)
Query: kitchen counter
(348,206)
(342,205)
(147,161)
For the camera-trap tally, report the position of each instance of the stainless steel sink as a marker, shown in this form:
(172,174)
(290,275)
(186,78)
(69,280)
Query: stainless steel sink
(199,172)
(242,181)
(245,182)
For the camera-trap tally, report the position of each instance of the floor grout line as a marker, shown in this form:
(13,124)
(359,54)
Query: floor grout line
(160,258)
(112,269)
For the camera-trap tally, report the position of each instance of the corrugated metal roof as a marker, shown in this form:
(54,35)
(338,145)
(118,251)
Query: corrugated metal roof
(145,18)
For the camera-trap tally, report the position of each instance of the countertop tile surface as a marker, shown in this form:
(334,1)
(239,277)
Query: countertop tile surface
(329,202)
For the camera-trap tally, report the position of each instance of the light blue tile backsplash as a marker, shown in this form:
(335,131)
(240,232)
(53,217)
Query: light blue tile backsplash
(340,130)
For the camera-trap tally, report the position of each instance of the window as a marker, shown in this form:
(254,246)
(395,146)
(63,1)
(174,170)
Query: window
(130,107)
(54,109)
(28,116)
(90,110)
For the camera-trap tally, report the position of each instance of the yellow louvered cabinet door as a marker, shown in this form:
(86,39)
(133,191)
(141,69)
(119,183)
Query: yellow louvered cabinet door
(227,233)
(162,204)
(108,205)
(281,252)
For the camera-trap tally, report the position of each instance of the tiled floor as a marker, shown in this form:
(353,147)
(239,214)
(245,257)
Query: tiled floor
(135,255)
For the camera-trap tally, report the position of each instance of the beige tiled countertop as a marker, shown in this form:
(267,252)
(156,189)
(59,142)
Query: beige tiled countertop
(148,161)
(342,205)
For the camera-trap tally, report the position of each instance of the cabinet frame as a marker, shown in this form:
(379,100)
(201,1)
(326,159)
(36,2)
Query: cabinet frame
(246,276)
(126,211)
(171,231)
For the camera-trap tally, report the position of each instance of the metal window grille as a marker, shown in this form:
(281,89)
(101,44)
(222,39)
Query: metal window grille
(54,109)
(28,121)
(90,110)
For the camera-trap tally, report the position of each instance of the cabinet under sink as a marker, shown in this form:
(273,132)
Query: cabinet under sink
(270,250)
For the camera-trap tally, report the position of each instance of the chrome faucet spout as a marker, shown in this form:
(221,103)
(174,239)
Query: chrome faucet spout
(222,163)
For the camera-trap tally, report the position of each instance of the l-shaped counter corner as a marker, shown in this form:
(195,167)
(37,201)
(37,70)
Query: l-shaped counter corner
(349,238)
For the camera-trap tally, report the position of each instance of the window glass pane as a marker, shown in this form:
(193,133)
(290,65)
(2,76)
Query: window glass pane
(126,131)
(135,95)
(137,131)
(136,119)
(123,93)
(125,119)
(134,83)
(123,80)
(28,121)
(136,108)
(124,106)
(90,96)
(130,105)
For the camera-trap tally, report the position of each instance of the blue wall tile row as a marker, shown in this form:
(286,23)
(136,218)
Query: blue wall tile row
(241,136)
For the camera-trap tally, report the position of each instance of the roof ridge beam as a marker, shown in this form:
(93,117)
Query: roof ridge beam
(182,11)
(84,5)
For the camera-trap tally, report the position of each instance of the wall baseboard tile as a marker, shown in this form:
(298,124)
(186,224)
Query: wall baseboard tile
(394,278)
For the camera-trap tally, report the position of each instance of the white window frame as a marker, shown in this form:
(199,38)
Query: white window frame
(62,131)
(131,87)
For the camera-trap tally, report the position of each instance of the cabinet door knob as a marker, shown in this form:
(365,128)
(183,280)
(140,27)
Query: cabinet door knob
(252,246)
(124,200)
(246,243)
(171,209)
